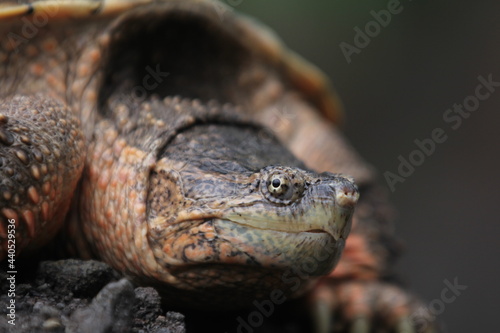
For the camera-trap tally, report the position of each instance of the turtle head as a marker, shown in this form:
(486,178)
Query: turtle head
(215,222)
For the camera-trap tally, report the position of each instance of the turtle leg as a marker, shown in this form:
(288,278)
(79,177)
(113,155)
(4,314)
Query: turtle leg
(41,160)
(358,306)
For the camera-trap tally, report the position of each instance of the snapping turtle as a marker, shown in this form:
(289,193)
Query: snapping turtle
(187,148)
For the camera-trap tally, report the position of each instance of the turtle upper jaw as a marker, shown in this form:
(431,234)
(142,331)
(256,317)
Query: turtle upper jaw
(334,222)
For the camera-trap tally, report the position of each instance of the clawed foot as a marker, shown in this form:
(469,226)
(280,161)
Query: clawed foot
(369,306)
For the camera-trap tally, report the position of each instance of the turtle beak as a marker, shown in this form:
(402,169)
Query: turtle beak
(346,197)
(341,188)
(335,197)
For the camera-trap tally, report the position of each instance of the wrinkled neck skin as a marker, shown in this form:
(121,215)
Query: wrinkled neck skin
(229,204)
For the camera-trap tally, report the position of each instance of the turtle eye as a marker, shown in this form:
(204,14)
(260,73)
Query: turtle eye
(278,185)
(282,185)
(282,188)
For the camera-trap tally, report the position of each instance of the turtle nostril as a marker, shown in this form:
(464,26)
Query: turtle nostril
(347,195)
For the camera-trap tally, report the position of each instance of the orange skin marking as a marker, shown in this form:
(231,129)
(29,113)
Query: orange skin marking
(44,169)
(83,70)
(198,254)
(119,146)
(29,217)
(46,188)
(53,80)
(207,230)
(104,179)
(140,208)
(37,69)
(49,45)
(31,51)
(33,195)
(45,211)
(95,55)
(10,214)
(356,260)
(109,213)
(123,175)
(225,251)
(52,195)
(35,172)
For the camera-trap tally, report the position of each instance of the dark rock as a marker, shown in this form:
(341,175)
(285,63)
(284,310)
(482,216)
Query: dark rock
(175,322)
(109,311)
(82,278)
(150,304)
(148,314)
(172,322)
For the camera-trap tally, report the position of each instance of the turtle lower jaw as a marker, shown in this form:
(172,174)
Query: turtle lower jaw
(278,249)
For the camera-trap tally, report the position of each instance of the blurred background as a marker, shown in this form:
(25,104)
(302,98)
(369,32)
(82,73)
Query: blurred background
(395,90)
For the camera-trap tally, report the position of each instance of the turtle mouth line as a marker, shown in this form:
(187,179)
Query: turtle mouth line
(316,231)
(295,230)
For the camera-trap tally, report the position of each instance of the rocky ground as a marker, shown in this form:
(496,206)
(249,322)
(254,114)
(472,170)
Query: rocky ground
(82,296)
(88,296)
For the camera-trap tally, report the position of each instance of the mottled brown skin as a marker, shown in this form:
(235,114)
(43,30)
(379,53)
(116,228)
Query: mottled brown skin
(157,169)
